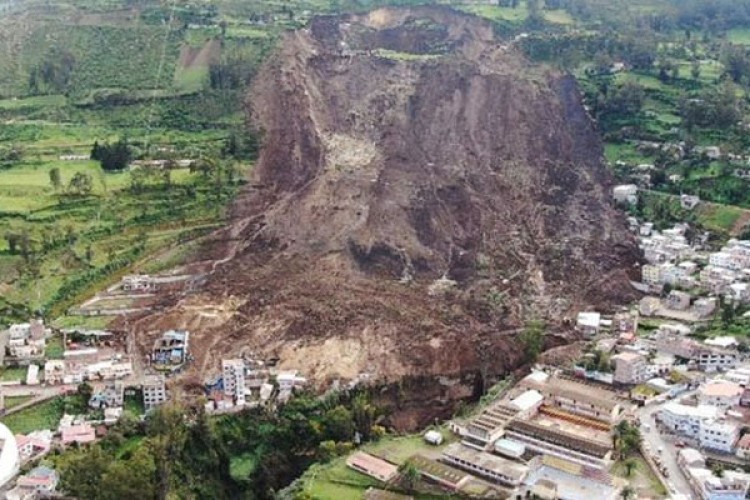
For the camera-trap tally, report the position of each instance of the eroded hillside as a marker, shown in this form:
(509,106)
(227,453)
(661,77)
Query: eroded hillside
(422,192)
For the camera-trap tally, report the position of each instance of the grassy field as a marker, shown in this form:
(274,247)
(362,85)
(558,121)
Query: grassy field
(13,401)
(10,374)
(739,35)
(43,416)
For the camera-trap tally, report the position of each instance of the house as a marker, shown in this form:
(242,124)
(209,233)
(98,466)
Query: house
(154,391)
(739,376)
(290,379)
(372,466)
(138,283)
(724,341)
(678,301)
(527,403)
(42,480)
(626,193)
(589,323)
(80,434)
(711,359)
(630,368)
(731,485)
(54,371)
(112,396)
(171,349)
(745,398)
(719,393)
(689,202)
(32,375)
(34,444)
(27,341)
(486,465)
(705,307)
(743,447)
(10,460)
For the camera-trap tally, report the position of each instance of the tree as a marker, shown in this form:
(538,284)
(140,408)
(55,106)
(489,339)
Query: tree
(114,156)
(81,472)
(532,340)
(132,478)
(627,493)
(695,70)
(55,179)
(410,474)
(85,392)
(630,465)
(338,424)
(81,184)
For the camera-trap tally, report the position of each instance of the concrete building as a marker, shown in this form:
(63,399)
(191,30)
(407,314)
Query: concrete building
(233,374)
(743,447)
(138,283)
(719,435)
(154,392)
(625,193)
(589,323)
(719,393)
(486,465)
(54,371)
(630,368)
(686,420)
(678,301)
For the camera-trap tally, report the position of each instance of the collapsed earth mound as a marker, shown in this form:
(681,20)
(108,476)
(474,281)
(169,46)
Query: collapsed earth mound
(422,192)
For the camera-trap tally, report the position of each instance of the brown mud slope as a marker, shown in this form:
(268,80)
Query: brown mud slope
(422,192)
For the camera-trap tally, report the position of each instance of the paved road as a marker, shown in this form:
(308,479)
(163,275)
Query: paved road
(676,481)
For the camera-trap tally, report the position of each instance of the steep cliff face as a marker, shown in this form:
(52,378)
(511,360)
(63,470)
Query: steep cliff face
(422,191)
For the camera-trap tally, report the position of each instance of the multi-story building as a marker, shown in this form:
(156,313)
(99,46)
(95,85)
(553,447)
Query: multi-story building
(711,359)
(678,301)
(686,420)
(54,371)
(720,393)
(154,391)
(630,368)
(233,371)
(719,435)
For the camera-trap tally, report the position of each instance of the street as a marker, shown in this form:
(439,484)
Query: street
(676,482)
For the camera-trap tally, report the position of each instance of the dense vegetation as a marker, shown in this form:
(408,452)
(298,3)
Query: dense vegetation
(180,452)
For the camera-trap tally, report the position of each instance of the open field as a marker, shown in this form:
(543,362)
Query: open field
(42,416)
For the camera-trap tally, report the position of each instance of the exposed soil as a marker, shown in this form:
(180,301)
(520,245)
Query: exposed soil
(422,192)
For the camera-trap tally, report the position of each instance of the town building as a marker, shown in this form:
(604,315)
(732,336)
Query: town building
(719,393)
(630,368)
(112,396)
(686,420)
(625,193)
(40,480)
(233,375)
(743,447)
(171,349)
(26,341)
(678,301)
(556,478)
(33,445)
(138,283)
(154,392)
(78,433)
(372,466)
(705,484)
(719,435)
(589,323)
(54,371)
(486,465)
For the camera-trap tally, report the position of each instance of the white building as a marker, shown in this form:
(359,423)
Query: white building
(233,372)
(686,420)
(589,323)
(54,371)
(626,193)
(719,435)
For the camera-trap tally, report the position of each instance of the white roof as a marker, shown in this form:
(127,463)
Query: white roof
(527,400)
(589,319)
(700,411)
(433,435)
(725,341)
(537,376)
(510,447)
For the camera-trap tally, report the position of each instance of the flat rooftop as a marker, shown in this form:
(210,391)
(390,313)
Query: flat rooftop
(486,461)
(566,427)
